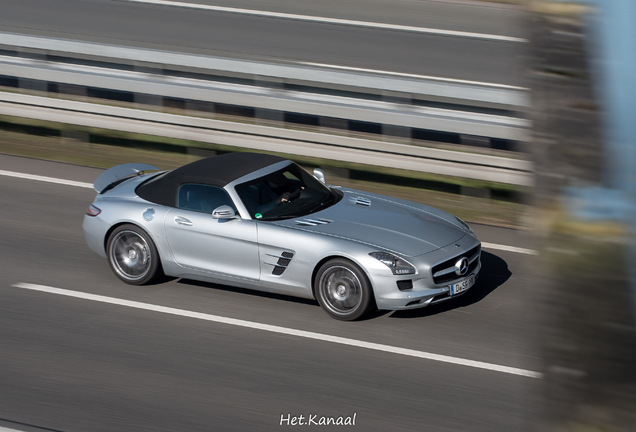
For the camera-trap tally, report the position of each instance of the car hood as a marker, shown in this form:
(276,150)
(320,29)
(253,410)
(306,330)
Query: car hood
(385,223)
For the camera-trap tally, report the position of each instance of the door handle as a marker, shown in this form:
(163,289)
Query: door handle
(179,220)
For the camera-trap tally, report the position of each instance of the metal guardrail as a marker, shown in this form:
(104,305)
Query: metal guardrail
(430,88)
(389,99)
(347,149)
(363,110)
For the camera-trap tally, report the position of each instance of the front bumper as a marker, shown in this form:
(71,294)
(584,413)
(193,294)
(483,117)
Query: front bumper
(420,295)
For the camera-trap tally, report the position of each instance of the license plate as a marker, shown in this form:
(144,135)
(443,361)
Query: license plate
(463,285)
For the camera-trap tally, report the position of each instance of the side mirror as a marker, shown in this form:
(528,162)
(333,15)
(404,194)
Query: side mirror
(319,174)
(224,212)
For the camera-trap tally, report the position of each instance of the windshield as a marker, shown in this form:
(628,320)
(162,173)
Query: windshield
(287,193)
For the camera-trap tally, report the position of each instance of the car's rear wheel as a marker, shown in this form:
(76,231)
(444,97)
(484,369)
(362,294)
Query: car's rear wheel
(133,256)
(343,290)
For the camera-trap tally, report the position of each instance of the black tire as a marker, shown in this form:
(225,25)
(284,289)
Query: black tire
(343,290)
(132,255)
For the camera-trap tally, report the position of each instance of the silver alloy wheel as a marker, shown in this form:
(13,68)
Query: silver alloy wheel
(130,254)
(341,289)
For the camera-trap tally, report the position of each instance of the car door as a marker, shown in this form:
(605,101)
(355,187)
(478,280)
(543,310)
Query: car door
(227,248)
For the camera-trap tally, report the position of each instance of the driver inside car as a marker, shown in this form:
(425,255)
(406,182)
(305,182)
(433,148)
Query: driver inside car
(269,193)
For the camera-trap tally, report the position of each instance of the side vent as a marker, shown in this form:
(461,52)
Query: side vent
(278,270)
(312,222)
(282,262)
(360,201)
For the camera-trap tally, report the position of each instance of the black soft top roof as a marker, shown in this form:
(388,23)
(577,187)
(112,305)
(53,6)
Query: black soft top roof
(216,171)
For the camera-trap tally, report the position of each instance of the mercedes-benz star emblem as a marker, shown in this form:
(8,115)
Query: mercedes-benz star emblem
(462,266)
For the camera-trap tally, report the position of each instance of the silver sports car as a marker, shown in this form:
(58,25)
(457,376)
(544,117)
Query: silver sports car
(262,222)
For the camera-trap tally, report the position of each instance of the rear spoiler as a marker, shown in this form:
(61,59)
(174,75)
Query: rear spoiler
(118,172)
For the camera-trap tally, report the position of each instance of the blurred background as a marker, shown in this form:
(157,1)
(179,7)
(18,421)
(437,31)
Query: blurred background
(515,115)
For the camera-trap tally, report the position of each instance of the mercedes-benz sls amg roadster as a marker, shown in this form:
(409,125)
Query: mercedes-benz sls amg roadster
(262,222)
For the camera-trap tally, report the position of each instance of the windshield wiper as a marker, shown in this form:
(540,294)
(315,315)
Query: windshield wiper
(329,200)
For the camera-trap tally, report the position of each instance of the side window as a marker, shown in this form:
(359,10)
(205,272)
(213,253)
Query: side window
(202,198)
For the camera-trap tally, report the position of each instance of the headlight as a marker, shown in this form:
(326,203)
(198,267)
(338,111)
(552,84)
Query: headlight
(397,265)
(465,225)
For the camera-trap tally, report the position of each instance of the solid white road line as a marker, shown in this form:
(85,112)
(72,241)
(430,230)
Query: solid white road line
(90,186)
(422,77)
(509,248)
(282,330)
(46,179)
(333,20)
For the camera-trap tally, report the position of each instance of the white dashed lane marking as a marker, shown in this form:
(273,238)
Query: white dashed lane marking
(46,179)
(325,20)
(509,248)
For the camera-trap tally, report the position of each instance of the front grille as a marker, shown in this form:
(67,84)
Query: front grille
(449,277)
(405,285)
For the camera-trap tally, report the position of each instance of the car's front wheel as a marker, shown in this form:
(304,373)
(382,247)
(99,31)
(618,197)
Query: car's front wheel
(343,290)
(132,255)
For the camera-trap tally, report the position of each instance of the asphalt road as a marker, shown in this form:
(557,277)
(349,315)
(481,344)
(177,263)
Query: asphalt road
(246,36)
(69,364)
